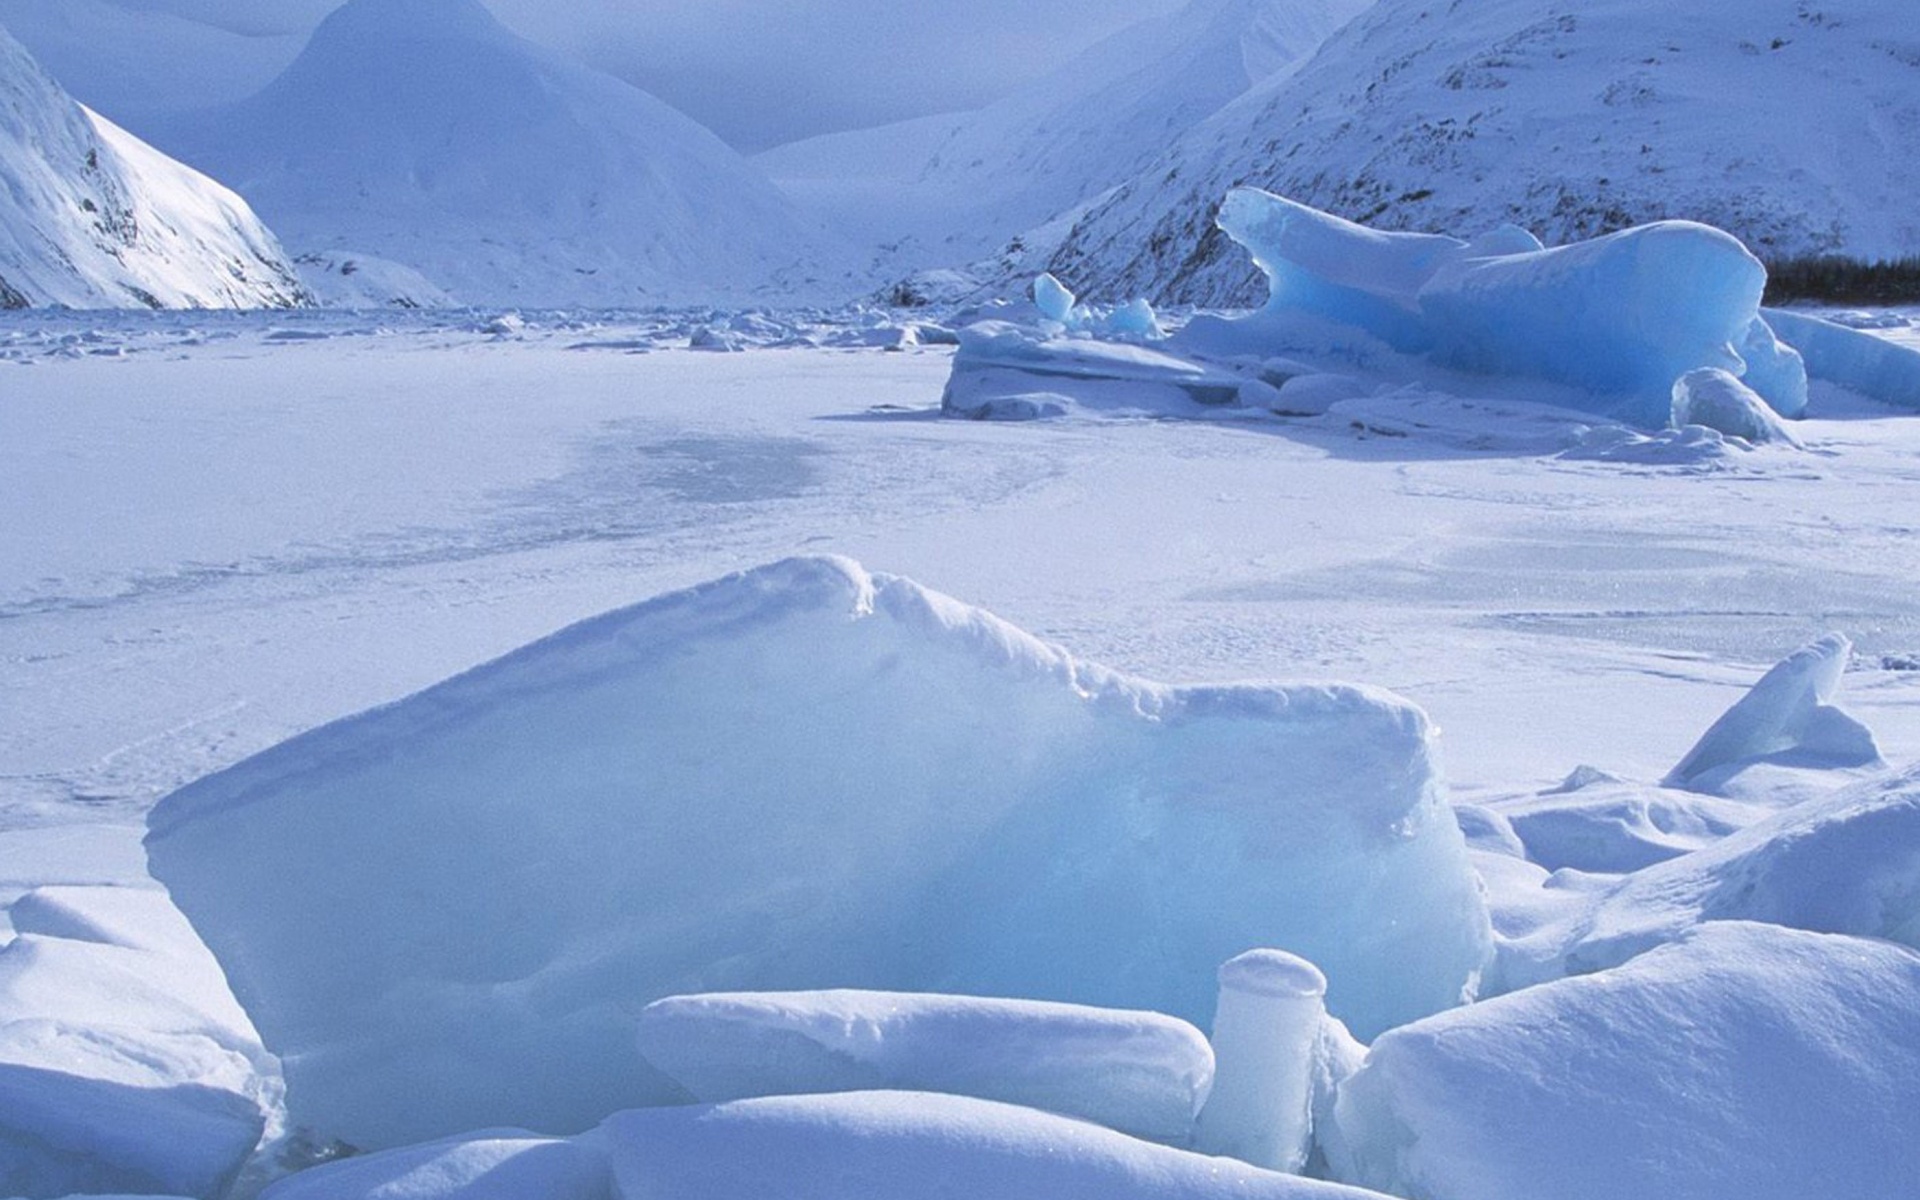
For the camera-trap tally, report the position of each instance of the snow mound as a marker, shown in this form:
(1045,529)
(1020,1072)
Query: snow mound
(1786,123)
(1616,826)
(1745,1062)
(423,132)
(92,217)
(447,913)
(1141,1073)
(494,1164)
(125,1064)
(1848,863)
(1787,718)
(915,1146)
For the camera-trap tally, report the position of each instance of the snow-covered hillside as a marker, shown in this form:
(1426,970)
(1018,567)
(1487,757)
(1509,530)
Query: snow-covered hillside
(1794,125)
(424,132)
(92,217)
(944,190)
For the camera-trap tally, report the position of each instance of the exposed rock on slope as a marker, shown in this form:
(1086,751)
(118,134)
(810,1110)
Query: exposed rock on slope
(1793,125)
(92,217)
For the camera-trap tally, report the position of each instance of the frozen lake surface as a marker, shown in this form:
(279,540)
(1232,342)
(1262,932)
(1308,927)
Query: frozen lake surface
(228,530)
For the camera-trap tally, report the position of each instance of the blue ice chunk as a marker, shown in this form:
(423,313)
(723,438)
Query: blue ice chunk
(1619,317)
(1053,298)
(1323,266)
(1774,369)
(1868,364)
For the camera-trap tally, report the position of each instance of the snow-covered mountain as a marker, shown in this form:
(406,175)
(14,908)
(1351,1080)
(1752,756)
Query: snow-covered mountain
(942,190)
(92,217)
(1793,124)
(424,132)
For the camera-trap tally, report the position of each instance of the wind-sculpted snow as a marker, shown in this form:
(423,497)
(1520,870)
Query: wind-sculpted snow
(1141,1073)
(1849,863)
(1792,125)
(92,217)
(449,912)
(1745,1062)
(915,1146)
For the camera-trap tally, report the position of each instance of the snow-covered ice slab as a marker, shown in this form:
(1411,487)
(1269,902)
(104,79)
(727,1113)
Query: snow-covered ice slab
(1789,718)
(1004,371)
(1139,1072)
(125,1065)
(1849,863)
(448,913)
(1745,1062)
(915,1146)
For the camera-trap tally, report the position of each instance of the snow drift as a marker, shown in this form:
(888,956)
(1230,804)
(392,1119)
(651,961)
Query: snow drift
(1849,863)
(1790,125)
(915,1146)
(1744,1062)
(423,132)
(92,217)
(448,913)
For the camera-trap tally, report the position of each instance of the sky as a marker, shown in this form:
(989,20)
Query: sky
(763,72)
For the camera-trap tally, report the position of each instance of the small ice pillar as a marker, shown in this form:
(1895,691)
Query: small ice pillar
(1260,1110)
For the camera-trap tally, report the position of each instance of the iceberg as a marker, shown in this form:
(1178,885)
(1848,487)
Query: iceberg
(448,913)
(1617,318)
(1141,1073)
(1743,1062)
